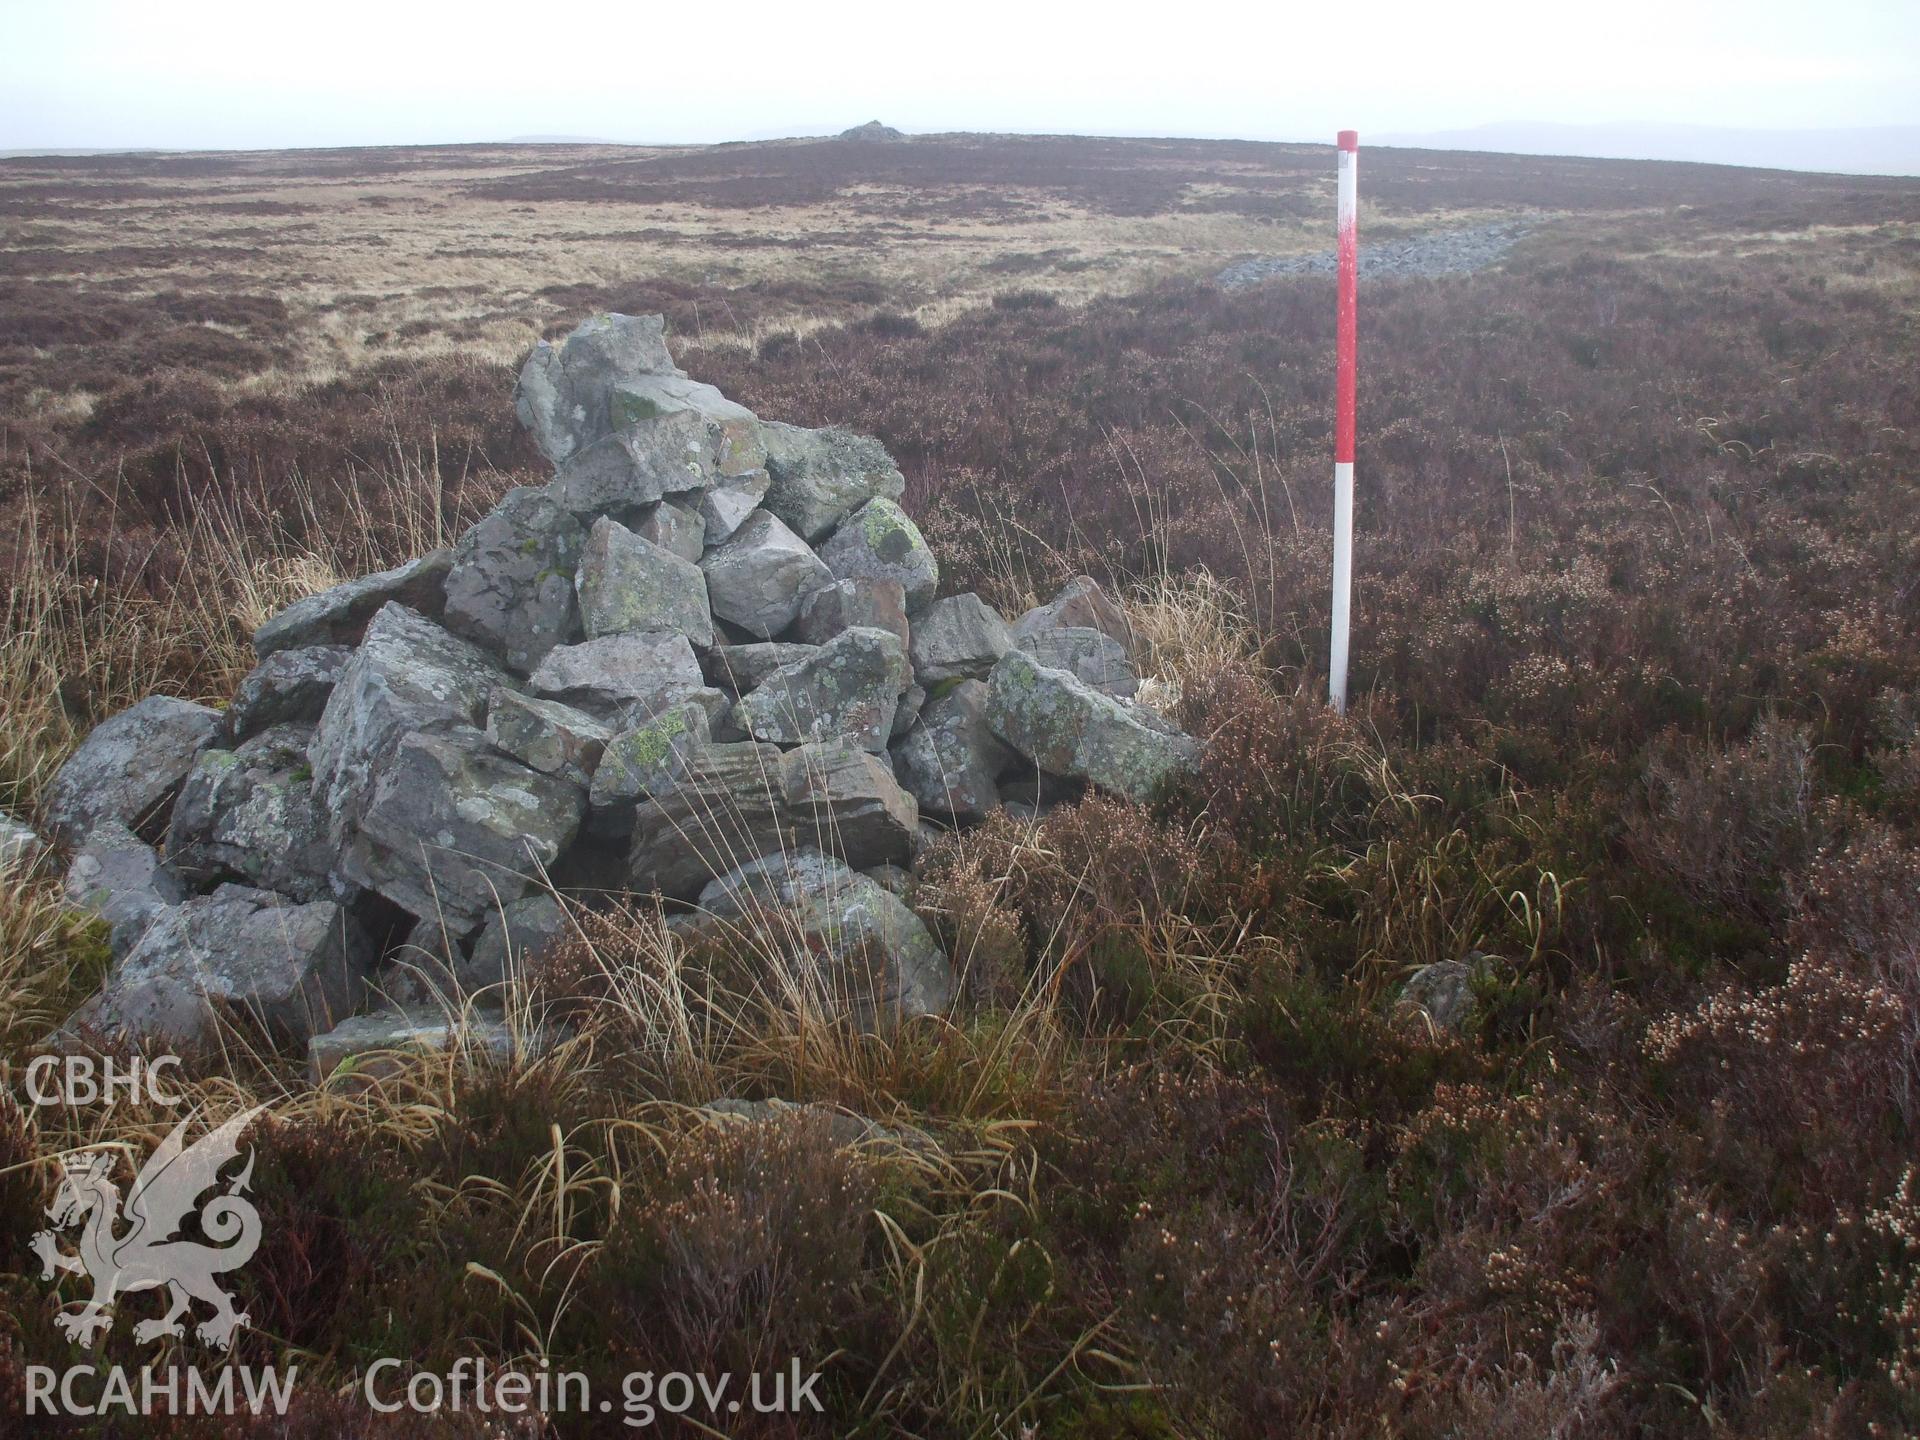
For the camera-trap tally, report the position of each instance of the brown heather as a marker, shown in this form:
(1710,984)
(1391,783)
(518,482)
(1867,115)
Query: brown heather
(1636,660)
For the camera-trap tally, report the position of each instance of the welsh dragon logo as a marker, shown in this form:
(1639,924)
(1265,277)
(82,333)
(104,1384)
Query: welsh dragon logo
(146,1254)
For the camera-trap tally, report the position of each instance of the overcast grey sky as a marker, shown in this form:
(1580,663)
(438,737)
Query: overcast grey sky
(218,74)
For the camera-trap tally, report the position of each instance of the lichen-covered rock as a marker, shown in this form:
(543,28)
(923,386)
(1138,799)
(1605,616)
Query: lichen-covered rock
(621,679)
(740,668)
(295,968)
(958,638)
(340,616)
(361,1048)
(747,800)
(646,760)
(759,577)
(511,586)
(1442,993)
(251,814)
(627,583)
(122,879)
(849,687)
(675,528)
(879,542)
(734,436)
(453,828)
(821,476)
(728,501)
(849,945)
(875,604)
(563,394)
(409,676)
(20,847)
(951,762)
(128,768)
(289,687)
(1081,602)
(1067,727)
(639,465)
(1093,655)
(547,736)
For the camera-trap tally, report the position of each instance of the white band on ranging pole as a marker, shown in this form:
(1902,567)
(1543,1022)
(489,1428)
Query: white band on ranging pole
(1344,386)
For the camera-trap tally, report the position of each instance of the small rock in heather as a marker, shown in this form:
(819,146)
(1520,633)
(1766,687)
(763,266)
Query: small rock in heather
(875,604)
(879,542)
(547,736)
(819,477)
(356,1048)
(20,847)
(511,586)
(760,576)
(958,638)
(340,616)
(128,768)
(627,583)
(849,687)
(1443,992)
(289,687)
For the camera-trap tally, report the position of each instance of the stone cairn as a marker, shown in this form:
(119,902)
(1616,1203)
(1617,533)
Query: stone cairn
(707,663)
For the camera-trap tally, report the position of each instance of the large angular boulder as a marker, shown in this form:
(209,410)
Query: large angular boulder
(289,687)
(627,583)
(1093,655)
(958,638)
(251,814)
(621,679)
(951,762)
(1066,727)
(564,393)
(511,586)
(876,604)
(408,677)
(742,801)
(129,767)
(842,941)
(453,828)
(760,576)
(547,736)
(879,542)
(1081,602)
(295,968)
(638,465)
(819,477)
(340,616)
(120,878)
(849,687)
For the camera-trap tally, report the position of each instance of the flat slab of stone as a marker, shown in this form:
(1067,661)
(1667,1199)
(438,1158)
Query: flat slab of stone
(849,687)
(627,583)
(364,1048)
(879,542)
(295,968)
(821,476)
(743,801)
(128,768)
(511,586)
(340,616)
(761,575)
(1068,728)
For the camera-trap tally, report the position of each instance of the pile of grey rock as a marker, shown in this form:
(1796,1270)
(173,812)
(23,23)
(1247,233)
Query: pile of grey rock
(708,662)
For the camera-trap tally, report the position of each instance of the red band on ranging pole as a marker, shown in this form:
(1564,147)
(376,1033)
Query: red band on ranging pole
(1345,372)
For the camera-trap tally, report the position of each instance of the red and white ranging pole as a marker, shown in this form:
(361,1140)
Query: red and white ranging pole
(1344,376)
